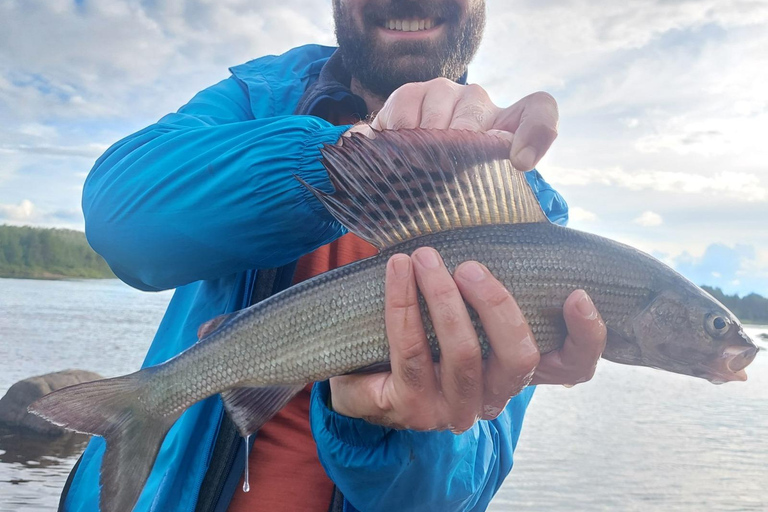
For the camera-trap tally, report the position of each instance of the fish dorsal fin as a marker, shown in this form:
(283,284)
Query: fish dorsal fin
(407,183)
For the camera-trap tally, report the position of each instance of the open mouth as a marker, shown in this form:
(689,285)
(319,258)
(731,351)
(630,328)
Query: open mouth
(730,365)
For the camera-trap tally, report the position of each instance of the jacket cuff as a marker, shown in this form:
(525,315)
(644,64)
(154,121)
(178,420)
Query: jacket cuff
(328,425)
(310,168)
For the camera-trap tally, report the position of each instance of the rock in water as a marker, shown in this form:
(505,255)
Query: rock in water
(13,406)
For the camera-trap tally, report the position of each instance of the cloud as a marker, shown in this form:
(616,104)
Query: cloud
(725,267)
(649,219)
(578,214)
(24,212)
(738,185)
(663,103)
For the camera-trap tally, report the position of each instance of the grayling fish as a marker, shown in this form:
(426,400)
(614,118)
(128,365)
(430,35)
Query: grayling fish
(456,192)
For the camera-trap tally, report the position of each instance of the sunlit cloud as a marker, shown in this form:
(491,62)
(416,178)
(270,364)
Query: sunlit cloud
(24,212)
(739,185)
(649,219)
(579,214)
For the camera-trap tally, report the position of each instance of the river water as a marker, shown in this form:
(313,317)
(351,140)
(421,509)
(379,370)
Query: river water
(631,439)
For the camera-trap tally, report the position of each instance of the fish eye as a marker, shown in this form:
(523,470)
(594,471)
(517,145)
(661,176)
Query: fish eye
(716,325)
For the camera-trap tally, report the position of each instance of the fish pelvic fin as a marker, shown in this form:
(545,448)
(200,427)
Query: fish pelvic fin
(407,183)
(112,408)
(250,408)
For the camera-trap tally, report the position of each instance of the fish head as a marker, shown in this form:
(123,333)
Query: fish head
(686,331)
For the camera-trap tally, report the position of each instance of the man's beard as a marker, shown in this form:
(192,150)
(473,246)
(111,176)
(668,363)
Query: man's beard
(383,68)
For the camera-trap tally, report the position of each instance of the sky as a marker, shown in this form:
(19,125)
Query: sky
(663,105)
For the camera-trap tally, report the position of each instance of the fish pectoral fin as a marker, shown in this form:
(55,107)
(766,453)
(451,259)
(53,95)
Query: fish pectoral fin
(407,183)
(250,408)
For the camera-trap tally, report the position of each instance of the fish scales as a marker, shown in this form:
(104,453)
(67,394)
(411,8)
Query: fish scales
(334,324)
(451,190)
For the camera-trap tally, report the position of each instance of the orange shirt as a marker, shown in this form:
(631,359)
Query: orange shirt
(285,473)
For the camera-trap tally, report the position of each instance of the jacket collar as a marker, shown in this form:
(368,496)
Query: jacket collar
(330,96)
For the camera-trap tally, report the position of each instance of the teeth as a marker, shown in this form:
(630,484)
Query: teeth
(409,25)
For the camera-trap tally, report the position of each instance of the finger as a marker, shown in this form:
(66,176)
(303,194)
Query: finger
(363,396)
(402,110)
(410,355)
(576,361)
(461,369)
(514,353)
(534,121)
(504,135)
(439,102)
(361,127)
(474,110)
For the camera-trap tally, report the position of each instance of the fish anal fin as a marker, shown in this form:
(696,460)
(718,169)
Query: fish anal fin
(250,408)
(211,325)
(407,183)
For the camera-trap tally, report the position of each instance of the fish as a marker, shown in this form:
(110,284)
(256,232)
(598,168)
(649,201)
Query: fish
(455,191)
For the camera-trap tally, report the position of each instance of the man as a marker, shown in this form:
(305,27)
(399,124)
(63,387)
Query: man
(204,197)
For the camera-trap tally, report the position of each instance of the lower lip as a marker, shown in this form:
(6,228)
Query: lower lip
(401,35)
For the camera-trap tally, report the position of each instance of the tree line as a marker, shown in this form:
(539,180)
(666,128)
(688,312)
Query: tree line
(48,253)
(28,252)
(750,308)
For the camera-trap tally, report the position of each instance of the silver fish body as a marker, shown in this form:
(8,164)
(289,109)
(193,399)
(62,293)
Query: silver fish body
(452,191)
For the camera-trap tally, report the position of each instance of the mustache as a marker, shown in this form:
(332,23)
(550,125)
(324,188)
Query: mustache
(377,12)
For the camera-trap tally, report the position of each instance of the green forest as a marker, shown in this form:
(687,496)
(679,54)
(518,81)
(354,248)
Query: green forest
(41,253)
(750,308)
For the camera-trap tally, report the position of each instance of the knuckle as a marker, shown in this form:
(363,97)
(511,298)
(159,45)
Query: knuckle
(412,372)
(431,117)
(527,362)
(461,425)
(442,82)
(544,98)
(446,314)
(476,91)
(496,297)
(466,352)
(443,292)
(470,115)
(467,383)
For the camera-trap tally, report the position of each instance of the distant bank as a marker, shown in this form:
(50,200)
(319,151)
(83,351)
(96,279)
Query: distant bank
(46,253)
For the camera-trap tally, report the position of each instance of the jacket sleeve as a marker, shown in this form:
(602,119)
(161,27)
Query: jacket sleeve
(209,191)
(381,469)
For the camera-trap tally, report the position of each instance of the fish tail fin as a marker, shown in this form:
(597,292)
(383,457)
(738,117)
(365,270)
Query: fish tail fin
(112,408)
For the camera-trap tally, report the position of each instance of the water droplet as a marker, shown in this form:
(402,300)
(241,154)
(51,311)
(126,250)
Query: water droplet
(246,484)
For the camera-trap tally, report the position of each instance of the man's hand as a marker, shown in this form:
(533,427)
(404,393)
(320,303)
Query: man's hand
(420,395)
(531,123)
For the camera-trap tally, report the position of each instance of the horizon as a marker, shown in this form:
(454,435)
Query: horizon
(662,106)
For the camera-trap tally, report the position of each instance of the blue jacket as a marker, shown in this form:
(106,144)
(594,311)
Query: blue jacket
(198,201)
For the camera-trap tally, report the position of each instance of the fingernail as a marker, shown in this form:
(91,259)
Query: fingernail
(586,307)
(428,258)
(401,265)
(472,271)
(525,158)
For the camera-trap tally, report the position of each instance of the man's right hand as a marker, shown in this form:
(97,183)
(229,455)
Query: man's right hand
(530,124)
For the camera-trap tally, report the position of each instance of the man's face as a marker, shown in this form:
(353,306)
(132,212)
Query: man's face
(387,43)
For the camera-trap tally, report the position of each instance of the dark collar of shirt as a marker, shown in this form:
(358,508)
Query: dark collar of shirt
(331,98)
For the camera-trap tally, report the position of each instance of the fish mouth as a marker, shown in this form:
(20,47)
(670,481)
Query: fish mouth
(730,365)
